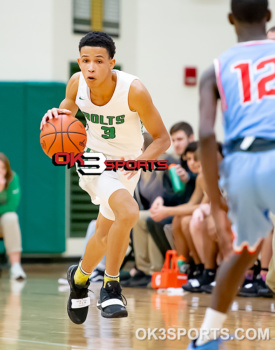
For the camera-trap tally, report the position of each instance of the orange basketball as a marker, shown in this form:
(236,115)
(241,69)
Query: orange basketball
(63,134)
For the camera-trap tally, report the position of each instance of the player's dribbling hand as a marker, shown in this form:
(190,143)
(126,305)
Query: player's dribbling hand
(130,174)
(53,113)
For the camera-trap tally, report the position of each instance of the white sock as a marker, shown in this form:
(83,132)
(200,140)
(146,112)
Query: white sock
(212,320)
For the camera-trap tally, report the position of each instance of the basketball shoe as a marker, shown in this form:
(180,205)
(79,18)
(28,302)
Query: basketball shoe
(111,302)
(17,273)
(211,345)
(208,288)
(79,301)
(256,288)
(194,285)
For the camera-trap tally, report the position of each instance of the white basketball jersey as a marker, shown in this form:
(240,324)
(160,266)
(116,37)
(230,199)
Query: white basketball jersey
(112,129)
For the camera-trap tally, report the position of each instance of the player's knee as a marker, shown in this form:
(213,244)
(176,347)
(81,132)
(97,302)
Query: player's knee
(129,214)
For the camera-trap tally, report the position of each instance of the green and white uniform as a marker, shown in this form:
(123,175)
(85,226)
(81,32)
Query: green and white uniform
(115,131)
(113,128)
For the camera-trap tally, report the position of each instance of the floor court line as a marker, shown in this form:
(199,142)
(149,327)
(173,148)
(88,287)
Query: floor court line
(73,347)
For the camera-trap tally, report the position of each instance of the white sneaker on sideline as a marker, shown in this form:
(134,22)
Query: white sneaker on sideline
(16,272)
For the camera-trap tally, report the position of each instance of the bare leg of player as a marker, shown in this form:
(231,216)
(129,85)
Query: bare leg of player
(229,278)
(111,302)
(126,213)
(79,300)
(114,234)
(97,246)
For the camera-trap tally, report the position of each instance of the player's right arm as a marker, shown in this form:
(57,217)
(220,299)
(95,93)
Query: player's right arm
(68,105)
(208,105)
(209,161)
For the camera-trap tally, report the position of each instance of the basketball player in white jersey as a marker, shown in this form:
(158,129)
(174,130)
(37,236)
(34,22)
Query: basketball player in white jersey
(115,105)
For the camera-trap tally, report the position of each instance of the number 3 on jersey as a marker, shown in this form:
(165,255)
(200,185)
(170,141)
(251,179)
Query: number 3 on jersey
(109,132)
(263,85)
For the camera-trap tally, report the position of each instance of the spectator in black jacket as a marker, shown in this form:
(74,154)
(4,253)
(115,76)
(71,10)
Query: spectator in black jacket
(181,135)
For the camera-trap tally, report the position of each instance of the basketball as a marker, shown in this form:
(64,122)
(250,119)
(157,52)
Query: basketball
(63,134)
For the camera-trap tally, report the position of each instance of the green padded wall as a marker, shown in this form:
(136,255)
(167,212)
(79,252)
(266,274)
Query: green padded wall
(42,207)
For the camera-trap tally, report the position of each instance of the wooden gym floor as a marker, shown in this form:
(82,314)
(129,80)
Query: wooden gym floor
(33,316)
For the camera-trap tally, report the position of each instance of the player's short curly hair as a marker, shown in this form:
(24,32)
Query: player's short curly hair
(250,11)
(99,39)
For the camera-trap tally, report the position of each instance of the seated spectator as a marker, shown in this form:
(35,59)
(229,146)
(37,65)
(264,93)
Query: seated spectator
(182,214)
(9,225)
(181,135)
(148,258)
(202,239)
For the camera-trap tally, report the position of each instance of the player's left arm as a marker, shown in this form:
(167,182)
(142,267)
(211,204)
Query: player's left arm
(141,102)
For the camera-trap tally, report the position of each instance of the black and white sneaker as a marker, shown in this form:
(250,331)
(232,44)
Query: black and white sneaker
(111,302)
(208,288)
(194,285)
(97,276)
(257,288)
(79,301)
(139,280)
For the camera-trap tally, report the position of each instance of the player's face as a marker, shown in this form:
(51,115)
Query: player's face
(180,141)
(3,169)
(271,35)
(96,65)
(193,164)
